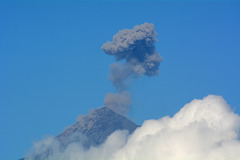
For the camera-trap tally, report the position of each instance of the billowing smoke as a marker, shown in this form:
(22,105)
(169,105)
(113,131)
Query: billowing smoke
(135,52)
(203,129)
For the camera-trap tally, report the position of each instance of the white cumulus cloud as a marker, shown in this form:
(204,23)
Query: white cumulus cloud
(205,129)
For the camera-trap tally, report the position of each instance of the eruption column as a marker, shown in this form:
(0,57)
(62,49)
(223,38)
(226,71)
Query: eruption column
(135,54)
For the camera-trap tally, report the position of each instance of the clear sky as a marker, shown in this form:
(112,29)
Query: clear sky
(53,69)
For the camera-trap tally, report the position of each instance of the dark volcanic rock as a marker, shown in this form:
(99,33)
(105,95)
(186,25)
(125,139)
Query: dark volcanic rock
(93,129)
(90,130)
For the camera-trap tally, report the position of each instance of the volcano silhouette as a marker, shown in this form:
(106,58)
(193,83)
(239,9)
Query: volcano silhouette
(91,130)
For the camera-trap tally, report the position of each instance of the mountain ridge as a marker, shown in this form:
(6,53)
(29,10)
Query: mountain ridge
(90,130)
(96,126)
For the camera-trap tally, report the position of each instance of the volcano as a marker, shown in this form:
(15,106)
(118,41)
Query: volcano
(91,130)
(94,128)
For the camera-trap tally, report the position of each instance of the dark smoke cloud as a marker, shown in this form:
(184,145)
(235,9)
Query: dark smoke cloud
(136,50)
(136,46)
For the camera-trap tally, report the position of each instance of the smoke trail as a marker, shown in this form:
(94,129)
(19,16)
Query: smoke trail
(118,102)
(135,48)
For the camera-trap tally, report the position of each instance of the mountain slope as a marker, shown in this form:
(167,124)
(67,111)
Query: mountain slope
(89,130)
(93,129)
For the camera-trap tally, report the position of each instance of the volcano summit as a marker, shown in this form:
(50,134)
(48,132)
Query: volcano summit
(89,131)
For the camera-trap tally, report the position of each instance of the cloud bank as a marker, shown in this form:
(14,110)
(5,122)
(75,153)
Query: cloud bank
(203,129)
(134,49)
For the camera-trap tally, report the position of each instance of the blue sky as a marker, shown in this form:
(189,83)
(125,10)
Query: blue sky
(53,69)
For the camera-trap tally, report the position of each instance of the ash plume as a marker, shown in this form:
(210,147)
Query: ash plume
(136,56)
(119,101)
